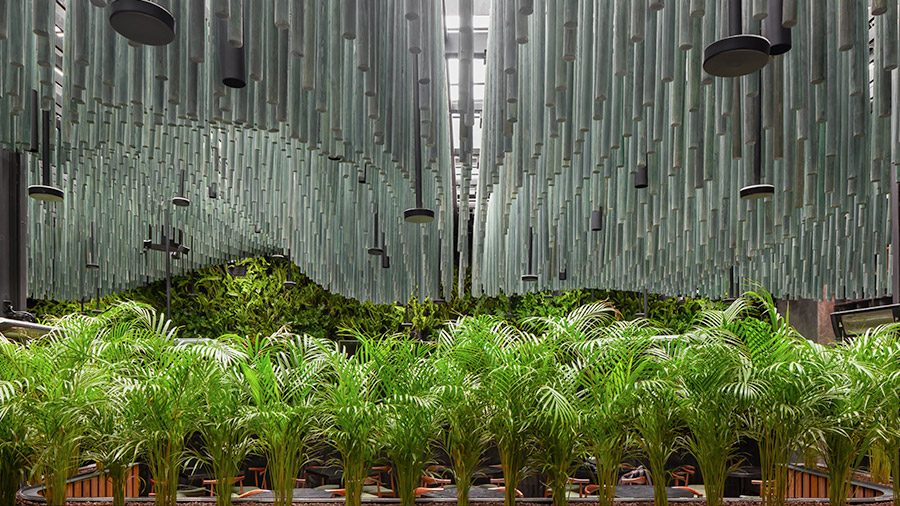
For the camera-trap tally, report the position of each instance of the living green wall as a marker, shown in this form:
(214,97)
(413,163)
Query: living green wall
(258,303)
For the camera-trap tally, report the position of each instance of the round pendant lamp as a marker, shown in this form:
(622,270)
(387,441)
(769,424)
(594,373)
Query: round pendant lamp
(739,54)
(45,191)
(530,276)
(418,214)
(142,21)
(181,200)
(375,250)
(289,282)
(757,189)
(385,259)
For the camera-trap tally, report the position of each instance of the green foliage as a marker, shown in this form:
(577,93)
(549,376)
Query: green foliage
(258,305)
(546,391)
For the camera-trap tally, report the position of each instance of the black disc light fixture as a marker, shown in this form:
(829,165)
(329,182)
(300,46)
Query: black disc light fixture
(740,53)
(530,276)
(142,22)
(232,59)
(180,200)
(757,189)
(418,214)
(45,191)
(289,282)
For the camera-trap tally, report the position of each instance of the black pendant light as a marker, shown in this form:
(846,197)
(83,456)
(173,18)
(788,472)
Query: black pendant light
(34,121)
(758,190)
(385,258)
(142,21)
(641,178)
(180,200)
(740,53)
(643,313)
(779,36)
(439,300)
(232,60)
(277,257)
(92,262)
(375,249)
(361,177)
(406,323)
(418,214)
(213,190)
(510,306)
(530,276)
(45,191)
(597,220)
(289,282)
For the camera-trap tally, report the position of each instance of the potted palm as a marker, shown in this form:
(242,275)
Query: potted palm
(412,420)
(352,416)
(613,366)
(713,377)
(15,452)
(283,384)
(225,431)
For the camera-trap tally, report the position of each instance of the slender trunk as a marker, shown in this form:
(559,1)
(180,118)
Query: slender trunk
(9,483)
(658,475)
(559,483)
(117,473)
(895,474)
(354,476)
(463,483)
(509,495)
(407,482)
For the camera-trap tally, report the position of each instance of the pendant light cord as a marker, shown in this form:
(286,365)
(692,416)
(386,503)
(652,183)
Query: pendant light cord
(418,132)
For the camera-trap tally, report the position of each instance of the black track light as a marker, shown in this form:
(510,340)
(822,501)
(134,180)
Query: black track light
(142,21)
(740,53)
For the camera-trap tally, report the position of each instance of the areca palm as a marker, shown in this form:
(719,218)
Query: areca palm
(282,381)
(412,420)
(465,347)
(227,438)
(614,364)
(352,416)
(713,377)
(163,402)
(560,425)
(783,413)
(15,451)
(887,353)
